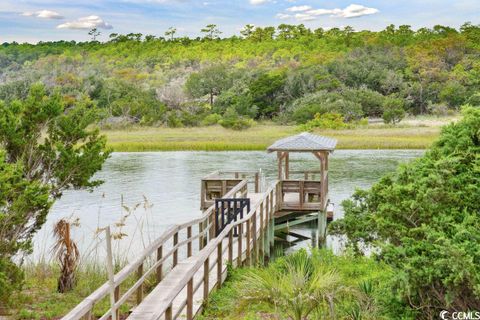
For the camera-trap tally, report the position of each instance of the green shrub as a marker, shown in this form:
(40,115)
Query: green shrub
(305,109)
(305,285)
(232,120)
(393,110)
(423,221)
(211,119)
(325,121)
(474,100)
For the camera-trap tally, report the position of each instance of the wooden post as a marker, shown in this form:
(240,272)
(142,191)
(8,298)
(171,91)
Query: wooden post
(206,275)
(168,313)
(200,237)
(117,297)
(254,238)
(301,193)
(175,252)
(189,244)
(224,188)
(140,288)
(203,194)
(160,266)
(240,249)
(230,247)
(219,265)
(190,299)
(111,275)
(279,157)
(257,182)
(322,228)
(287,166)
(262,239)
(88,315)
(249,238)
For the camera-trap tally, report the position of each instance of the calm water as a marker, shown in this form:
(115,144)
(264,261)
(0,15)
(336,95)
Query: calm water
(170,181)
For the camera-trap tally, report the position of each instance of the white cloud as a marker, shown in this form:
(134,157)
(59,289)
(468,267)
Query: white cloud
(257,2)
(283,16)
(307,13)
(304,17)
(299,8)
(322,12)
(43,14)
(356,10)
(89,22)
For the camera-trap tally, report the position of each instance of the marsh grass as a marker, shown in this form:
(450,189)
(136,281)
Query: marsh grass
(40,298)
(216,138)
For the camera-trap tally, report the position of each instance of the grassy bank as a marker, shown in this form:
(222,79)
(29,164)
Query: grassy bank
(412,134)
(39,298)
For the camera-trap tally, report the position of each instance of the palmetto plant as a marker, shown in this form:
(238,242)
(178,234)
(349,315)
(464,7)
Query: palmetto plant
(66,252)
(296,288)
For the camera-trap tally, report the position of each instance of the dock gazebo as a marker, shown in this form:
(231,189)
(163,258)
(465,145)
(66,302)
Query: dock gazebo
(312,194)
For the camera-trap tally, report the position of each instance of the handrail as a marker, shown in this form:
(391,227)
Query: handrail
(165,305)
(84,308)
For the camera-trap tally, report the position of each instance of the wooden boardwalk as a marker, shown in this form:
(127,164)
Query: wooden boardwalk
(183,286)
(237,228)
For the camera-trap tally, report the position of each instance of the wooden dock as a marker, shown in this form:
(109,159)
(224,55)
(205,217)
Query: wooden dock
(236,228)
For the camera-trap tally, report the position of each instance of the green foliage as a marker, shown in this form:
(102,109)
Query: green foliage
(232,120)
(210,81)
(262,74)
(393,110)
(120,98)
(46,149)
(325,121)
(302,285)
(211,119)
(305,109)
(423,221)
(264,93)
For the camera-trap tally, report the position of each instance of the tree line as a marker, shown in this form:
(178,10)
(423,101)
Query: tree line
(289,74)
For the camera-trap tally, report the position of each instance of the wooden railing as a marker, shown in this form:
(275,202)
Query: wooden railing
(219,183)
(255,232)
(302,195)
(184,236)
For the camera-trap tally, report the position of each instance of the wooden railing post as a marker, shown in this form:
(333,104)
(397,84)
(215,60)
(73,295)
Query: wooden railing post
(200,237)
(240,242)
(206,278)
(169,313)
(262,242)
(230,247)
(140,288)
(175,252)
(190,299)
(117,296)
(257,182)
(88,315)
(160,266)
(254,238)
(249,238)
(189,244)
(219,265)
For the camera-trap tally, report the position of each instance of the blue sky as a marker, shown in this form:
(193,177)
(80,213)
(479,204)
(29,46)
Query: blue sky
(43,20)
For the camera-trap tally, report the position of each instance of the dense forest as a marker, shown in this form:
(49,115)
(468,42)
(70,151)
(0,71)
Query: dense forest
(288,74)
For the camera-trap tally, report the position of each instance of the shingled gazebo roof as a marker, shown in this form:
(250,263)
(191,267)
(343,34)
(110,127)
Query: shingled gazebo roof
(304,142)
